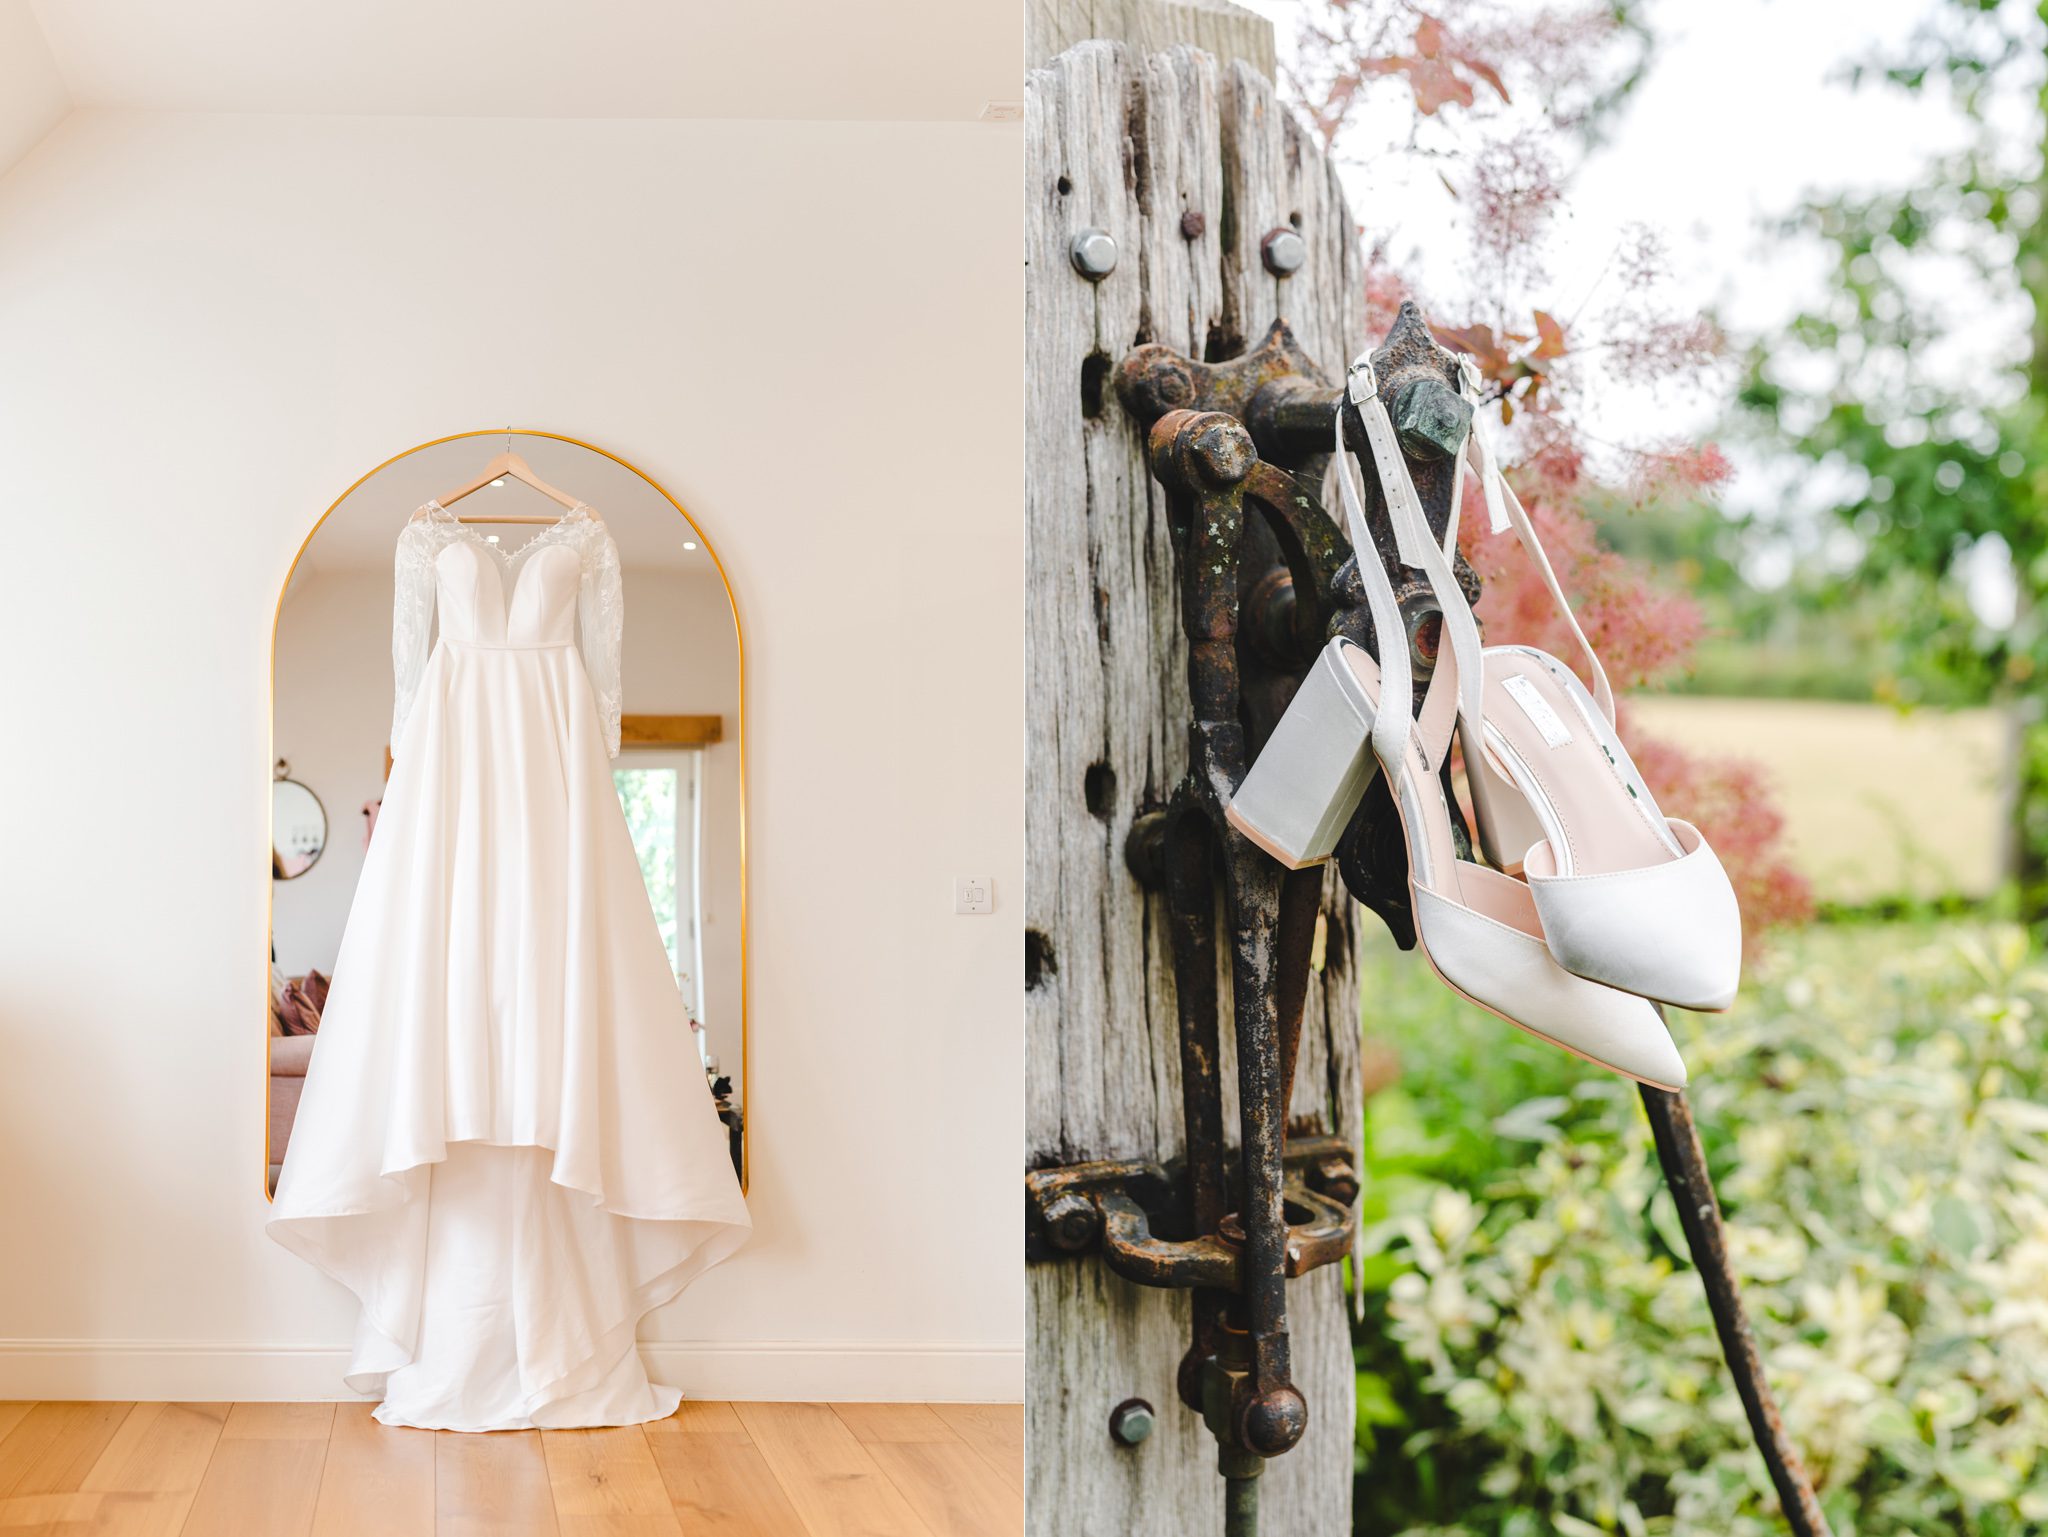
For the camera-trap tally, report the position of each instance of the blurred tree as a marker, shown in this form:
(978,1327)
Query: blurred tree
(1499,98)
(1921,386)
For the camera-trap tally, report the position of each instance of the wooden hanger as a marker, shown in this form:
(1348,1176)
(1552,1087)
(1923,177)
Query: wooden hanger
(508,463)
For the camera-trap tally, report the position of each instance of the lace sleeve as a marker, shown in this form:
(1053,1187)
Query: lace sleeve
(412,617)
(602,615)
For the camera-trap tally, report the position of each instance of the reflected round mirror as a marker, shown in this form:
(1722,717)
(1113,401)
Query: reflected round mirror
(298,829)
(677,774)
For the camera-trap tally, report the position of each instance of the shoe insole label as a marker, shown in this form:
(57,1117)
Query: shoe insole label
(1532,703)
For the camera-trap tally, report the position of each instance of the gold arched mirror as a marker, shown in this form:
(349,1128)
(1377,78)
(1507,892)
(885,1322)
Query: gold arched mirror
(679,773)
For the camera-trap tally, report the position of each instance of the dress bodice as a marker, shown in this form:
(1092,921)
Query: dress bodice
(525,599)
(562,587)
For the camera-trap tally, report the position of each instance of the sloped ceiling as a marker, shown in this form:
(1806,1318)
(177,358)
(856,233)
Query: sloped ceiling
(33,98)
(931,60)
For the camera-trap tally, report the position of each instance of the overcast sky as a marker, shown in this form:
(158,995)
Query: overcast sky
(1744,111)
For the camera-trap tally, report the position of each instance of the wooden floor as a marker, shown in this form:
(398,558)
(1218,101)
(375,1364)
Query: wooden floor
(737,1470)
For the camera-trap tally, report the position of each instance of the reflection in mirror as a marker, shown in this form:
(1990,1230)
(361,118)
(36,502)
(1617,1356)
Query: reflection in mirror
(677,775)
(298,826)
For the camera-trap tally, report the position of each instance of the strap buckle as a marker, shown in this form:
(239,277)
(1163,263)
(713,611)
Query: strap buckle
(1361,383)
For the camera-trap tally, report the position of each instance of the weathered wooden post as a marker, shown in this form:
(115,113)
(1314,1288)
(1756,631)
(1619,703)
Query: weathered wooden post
(1171,200)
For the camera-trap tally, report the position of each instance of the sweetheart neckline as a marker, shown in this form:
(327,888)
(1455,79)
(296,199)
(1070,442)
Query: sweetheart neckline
(507,577)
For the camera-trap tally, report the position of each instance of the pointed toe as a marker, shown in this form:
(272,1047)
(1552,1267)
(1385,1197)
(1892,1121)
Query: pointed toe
(1651,1056)
(1672,932)
(1509,971)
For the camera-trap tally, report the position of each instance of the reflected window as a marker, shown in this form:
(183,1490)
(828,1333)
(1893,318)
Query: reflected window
(661,796)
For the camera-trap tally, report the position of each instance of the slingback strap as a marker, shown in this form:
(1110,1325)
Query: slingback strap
(1460,665)
(1404,505)
(1504,510)
(1392,724)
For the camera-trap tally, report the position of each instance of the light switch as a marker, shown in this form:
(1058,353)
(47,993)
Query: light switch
(974,894)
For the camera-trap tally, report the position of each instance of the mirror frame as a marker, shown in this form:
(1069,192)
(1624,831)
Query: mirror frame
(326,822)
(739,740)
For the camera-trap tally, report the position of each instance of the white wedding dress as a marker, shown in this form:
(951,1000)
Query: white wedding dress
(506,1147)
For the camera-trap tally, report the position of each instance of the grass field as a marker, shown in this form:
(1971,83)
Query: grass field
(1878,804)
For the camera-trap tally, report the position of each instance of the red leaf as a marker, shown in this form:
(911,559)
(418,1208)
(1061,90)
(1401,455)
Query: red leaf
(1551,333)
(1486,72)
(1435,84)
(1478,340)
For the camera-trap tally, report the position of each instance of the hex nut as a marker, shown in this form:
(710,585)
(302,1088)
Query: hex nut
(1093,253)
(1431,419)
(1071,1222)
(1283,251)
(1131,1422)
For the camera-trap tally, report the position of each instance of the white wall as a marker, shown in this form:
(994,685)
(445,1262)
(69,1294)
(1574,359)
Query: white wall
(210,325)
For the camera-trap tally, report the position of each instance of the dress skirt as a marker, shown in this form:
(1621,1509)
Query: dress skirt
(506,1147)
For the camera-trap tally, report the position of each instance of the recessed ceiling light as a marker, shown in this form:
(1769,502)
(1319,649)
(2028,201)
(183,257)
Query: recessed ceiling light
(688,546)
(490,538)
(500,481)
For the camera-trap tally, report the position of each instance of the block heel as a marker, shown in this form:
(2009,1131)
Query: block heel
(1299,796)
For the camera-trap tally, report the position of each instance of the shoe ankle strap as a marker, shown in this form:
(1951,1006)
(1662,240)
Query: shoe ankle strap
(1504,510)
(1459,663)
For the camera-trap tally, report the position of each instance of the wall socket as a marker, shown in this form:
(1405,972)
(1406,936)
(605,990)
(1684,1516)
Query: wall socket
(974,894)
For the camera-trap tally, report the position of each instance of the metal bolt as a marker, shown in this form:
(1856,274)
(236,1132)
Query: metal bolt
(1270,1423)
(1425,622)
(1093,253)
(1334,1177)
(1283,251)
(1192,225)
(1224,452)
(1131,1421)
(1145,849)
(1153,379)
(1071,1222)
(1430,419)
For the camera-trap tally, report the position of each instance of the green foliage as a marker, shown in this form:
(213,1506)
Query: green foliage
(1537,1355)
(1815,637)
(1920,383)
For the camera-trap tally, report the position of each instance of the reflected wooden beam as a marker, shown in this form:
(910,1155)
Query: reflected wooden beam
(670,730)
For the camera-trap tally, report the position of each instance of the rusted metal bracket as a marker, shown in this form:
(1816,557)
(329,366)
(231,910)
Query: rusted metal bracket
(1239,448)
(1130,1209)
(1266,578)
(1255,550)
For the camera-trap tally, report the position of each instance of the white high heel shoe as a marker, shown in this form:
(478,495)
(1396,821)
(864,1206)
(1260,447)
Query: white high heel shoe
(1628,896)
(1479,929)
